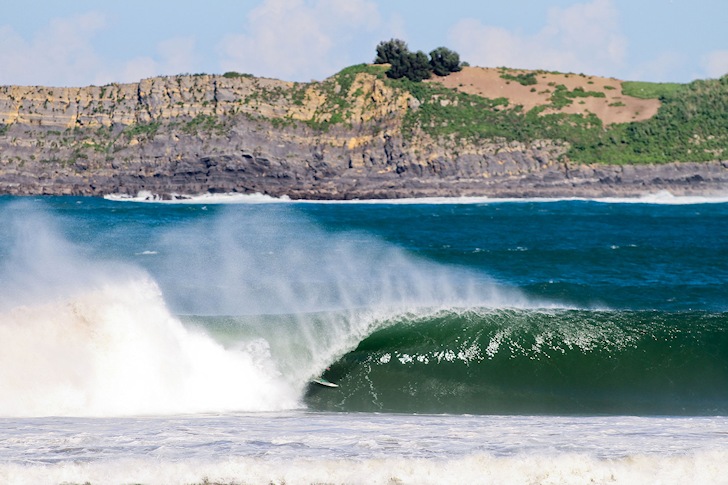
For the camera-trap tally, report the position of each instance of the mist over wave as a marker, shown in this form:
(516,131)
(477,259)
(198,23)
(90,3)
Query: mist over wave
(241,263)
(80,336)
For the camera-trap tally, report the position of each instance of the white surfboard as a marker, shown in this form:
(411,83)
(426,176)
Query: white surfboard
(323,382)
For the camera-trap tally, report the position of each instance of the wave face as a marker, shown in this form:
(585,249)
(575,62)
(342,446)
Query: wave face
(542,362)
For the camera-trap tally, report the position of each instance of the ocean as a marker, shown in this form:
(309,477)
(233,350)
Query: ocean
(472,341)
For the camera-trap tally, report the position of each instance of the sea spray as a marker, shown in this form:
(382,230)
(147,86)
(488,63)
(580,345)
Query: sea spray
(285,263)
(82,336)
(311,292)
(116,350)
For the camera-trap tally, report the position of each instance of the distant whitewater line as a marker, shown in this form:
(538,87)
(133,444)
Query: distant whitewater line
(662,197)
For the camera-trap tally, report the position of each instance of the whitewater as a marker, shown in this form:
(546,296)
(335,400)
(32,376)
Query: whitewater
(484,341)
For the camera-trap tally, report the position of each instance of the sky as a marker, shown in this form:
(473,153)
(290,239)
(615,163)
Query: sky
(92,42)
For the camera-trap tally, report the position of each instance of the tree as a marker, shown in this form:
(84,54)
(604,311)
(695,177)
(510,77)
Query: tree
(444,61)
(388,51)
(413,65)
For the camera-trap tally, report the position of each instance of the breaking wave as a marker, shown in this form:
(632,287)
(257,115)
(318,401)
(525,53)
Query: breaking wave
(534,361)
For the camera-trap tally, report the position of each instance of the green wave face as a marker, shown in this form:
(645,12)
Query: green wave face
(539,362)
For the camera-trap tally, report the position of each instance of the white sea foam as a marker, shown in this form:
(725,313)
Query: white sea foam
(206,198)
(660,197)
(116,350)
(83,336)
(304,448)
(482,469)
(666,198)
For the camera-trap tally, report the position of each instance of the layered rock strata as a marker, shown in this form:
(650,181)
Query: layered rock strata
(196,134)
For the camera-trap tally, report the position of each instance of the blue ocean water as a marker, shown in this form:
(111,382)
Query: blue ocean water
(465,337)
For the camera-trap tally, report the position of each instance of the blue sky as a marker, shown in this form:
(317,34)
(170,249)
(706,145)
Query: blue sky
(84,42)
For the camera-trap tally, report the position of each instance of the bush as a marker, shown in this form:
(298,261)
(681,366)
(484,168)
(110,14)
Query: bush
(444,61)
(415,66)
(527,79)
(390,51)
(234,75)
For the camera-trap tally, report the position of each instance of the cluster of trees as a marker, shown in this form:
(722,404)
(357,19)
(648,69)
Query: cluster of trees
(416,66)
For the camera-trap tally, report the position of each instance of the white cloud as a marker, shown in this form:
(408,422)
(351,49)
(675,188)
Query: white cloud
(298,39)
(59,54)
(396,28)
(581,38)
(661,67)
(63,54)
(716,64)
(174,56)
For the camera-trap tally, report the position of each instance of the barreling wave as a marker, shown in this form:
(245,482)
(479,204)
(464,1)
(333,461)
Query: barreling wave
(540,362)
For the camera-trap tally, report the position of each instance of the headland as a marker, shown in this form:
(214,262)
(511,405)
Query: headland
(492,132)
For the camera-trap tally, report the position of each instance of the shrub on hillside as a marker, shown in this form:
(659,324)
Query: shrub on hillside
(415,66)
(391,50)
(443,61)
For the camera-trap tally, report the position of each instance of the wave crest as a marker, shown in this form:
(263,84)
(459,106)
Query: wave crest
(116,350)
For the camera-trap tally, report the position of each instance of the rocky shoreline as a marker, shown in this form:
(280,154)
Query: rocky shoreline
(280,178)
(274,163)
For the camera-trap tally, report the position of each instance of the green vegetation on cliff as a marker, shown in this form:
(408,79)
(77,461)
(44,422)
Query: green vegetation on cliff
(691,125)
(363,101)
(448,113)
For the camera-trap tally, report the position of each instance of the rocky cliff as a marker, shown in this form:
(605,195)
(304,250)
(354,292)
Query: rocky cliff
(350,136)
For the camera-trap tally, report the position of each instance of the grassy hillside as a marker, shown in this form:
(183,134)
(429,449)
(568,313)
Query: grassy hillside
(690,125)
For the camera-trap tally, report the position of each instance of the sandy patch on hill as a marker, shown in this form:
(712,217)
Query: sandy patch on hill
(613,108)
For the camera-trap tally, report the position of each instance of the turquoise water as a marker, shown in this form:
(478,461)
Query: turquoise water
(537,312)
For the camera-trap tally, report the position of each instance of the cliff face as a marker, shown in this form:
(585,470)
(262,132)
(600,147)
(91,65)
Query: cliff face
(182,97)
(341,139)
